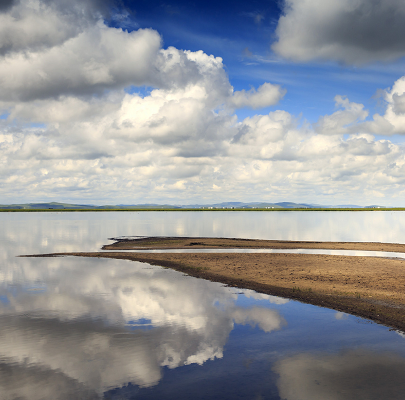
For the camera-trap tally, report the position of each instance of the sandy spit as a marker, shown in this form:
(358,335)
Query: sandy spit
(369,287)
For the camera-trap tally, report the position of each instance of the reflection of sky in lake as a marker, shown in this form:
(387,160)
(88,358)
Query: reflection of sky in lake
(84,319)
(353,253)
(78,328)
(25,233)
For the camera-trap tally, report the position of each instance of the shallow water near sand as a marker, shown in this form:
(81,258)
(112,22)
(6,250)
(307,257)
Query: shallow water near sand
(80,328)
(350,253)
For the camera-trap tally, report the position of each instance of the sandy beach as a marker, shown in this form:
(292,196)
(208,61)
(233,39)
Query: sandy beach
(213,243)
(369,287)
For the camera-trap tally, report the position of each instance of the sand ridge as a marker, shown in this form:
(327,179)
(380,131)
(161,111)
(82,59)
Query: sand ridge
(370,287)
(212,243)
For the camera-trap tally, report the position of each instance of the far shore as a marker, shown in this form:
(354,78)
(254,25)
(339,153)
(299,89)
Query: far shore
(206,209)
(369,287)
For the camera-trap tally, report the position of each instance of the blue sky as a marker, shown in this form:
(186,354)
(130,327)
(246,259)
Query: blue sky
(242,33)
(182,102)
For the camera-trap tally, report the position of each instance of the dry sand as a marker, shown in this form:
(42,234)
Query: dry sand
(370,287)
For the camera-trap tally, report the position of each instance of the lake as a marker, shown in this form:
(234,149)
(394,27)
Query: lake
(80,328)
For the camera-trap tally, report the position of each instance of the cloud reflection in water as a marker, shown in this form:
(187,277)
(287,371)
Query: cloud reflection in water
(77,323)
(350,375)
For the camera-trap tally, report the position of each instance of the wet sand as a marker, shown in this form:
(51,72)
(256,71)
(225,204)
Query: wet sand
(369,287)
(218,243)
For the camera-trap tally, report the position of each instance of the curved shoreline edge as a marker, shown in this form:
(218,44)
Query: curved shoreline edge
(391,314)
(162,243)
(368,287)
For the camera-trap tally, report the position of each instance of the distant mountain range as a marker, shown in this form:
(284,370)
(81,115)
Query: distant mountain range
(224,205)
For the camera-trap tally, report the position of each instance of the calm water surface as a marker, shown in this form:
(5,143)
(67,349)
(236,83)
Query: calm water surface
(352,253)
(75,328)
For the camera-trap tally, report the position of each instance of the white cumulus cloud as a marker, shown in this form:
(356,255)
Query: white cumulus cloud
(266,95)
(97,113)
(352,32)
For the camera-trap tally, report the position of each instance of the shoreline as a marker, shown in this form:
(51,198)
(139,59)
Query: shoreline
(337,209)
(369,287)
(162,243)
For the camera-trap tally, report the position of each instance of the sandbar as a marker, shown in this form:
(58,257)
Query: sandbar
(369,287)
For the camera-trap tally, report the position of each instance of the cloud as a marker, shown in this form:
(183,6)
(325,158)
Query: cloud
(96,113)
(53,51)
(6,4)
(340,121)
(345,376)
(33,25)
(393,120)
(97,59)
(266,95)
(160,144)
(352,32)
